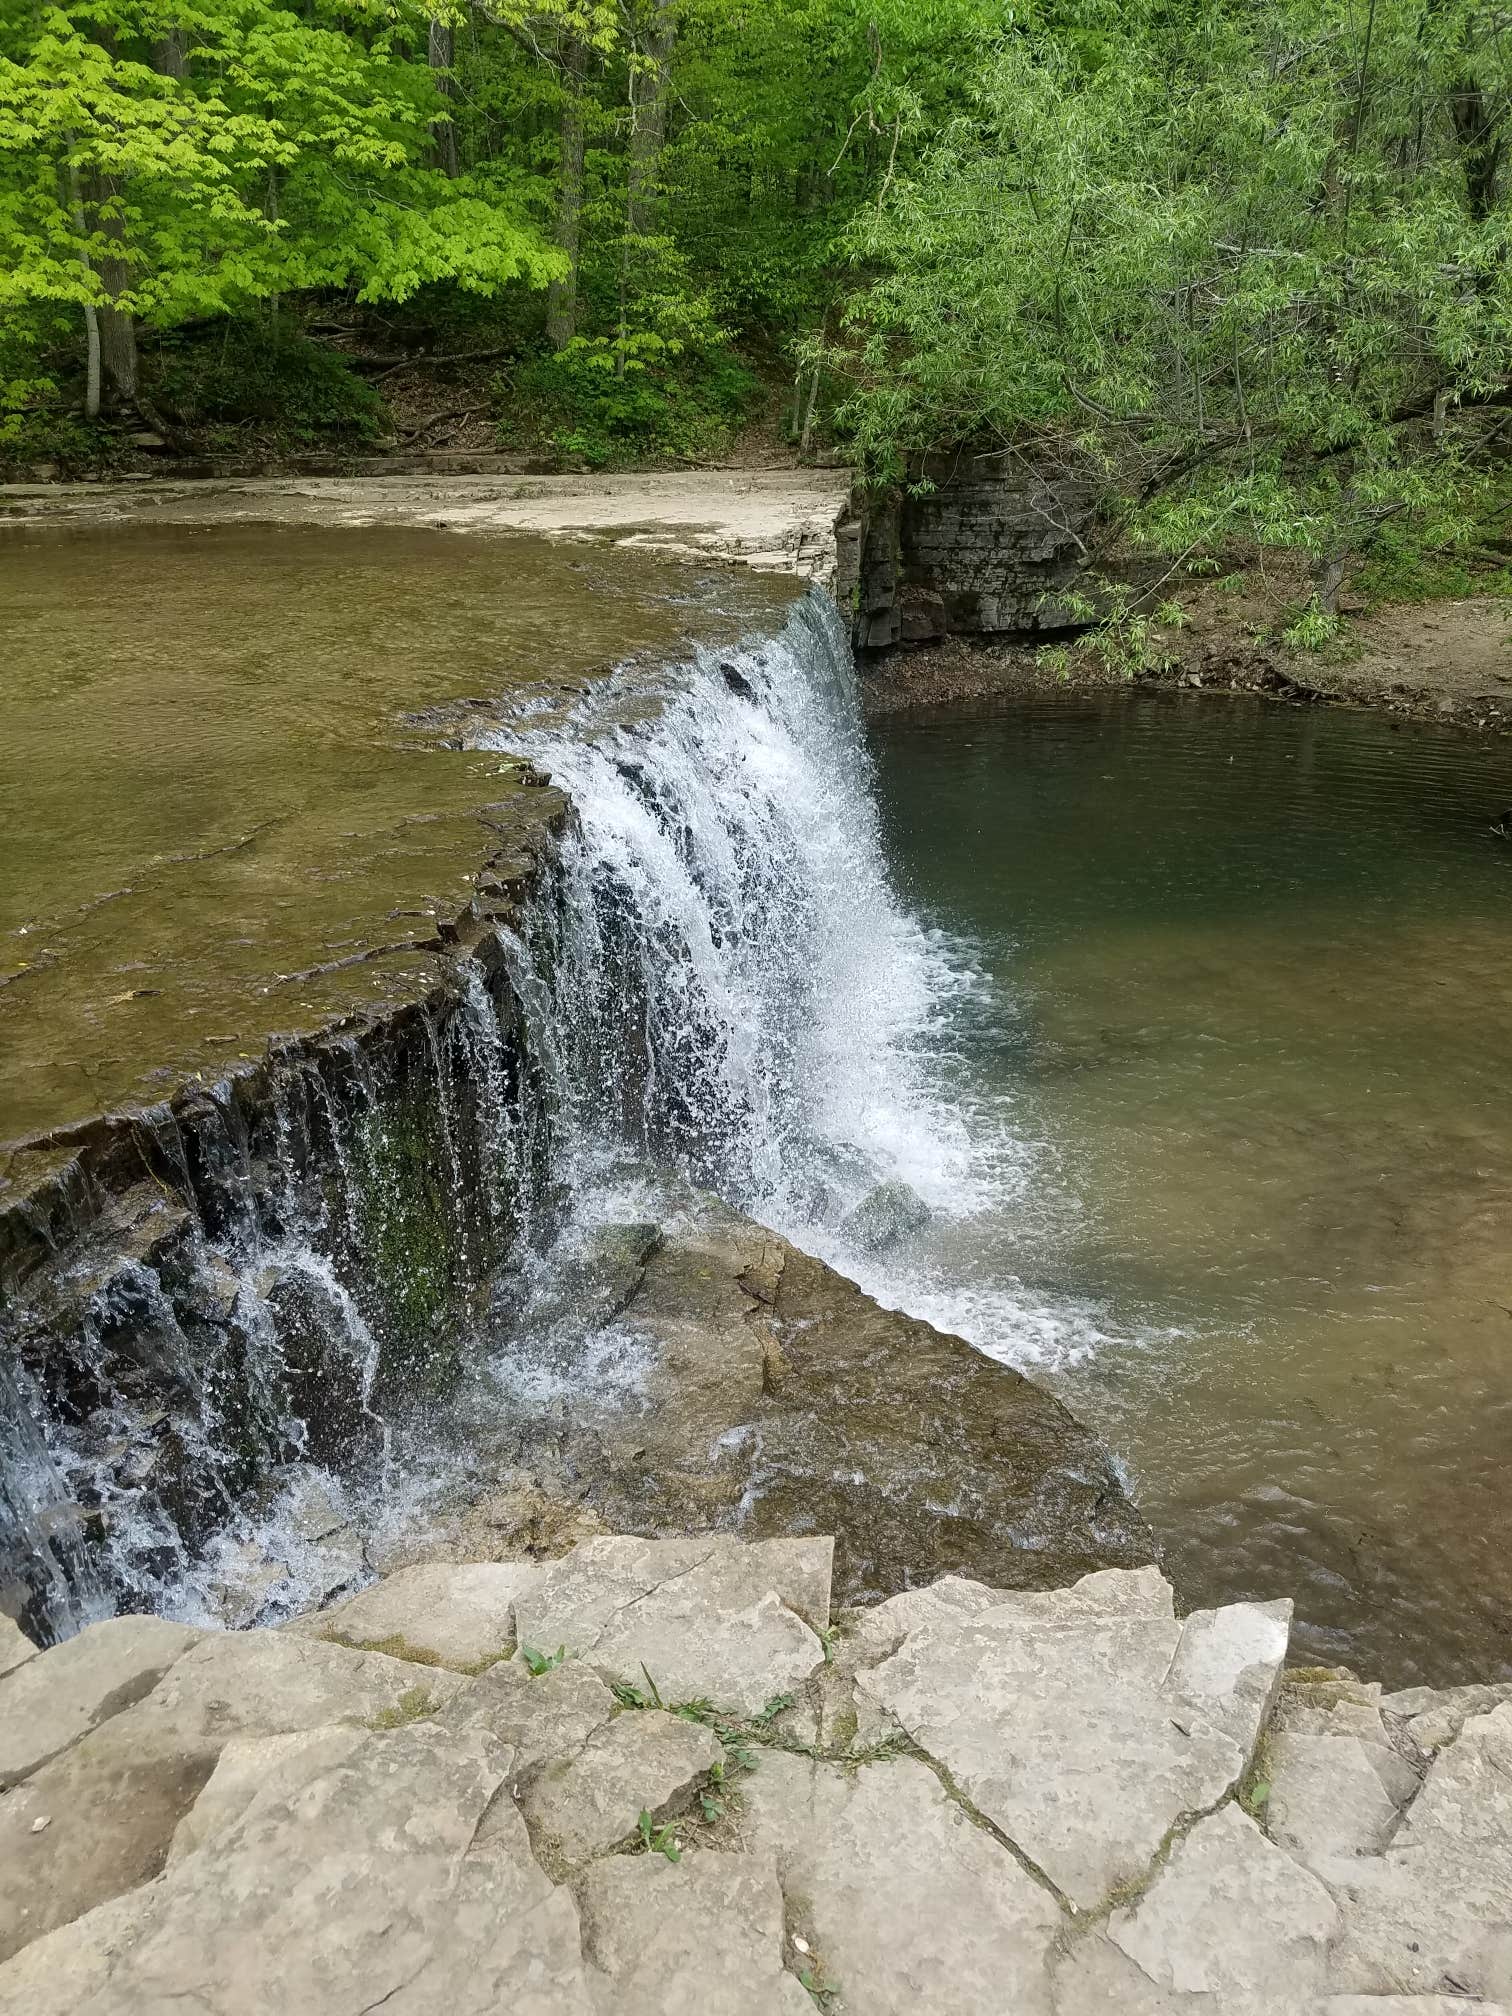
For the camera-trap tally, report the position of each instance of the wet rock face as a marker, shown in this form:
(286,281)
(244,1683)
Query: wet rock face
(194,1296)
(980,551)
(780,1399)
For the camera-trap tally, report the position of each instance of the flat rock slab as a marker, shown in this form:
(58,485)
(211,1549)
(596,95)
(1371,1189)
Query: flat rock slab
(910,1903)
(1230,1915)
(391,1880)
(1433,1912)
(1067,1725)
(48,1702)
(94,1821)
(439,1614)
(266,1683)
(251,1766)
(581,1806)
(15,1647)
(540,1716)
(702,1938)
(1435,1716)
(706,1619)
(1333,1797)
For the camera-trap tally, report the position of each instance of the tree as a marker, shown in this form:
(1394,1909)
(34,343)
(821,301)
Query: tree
(263,151)
(1229,262)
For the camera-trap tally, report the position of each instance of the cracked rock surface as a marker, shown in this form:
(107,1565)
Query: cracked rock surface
(658,1778)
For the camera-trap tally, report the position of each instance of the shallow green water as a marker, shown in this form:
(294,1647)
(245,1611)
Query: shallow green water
(1247,1021)
(234,778)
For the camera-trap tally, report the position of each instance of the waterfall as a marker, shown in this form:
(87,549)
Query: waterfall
(710,980)
(726,980)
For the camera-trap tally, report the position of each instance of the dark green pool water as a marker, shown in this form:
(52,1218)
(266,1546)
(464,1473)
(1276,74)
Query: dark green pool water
(1245,1034)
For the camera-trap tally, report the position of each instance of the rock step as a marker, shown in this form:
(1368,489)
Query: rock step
(655,1776)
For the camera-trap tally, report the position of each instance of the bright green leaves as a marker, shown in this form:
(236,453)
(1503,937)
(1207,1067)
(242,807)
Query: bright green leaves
(1231,258)
(280,149)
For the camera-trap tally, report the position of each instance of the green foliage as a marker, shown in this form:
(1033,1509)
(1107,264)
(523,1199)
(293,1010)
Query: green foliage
(607,399)
(415,1704)
(824,1997)
(658,1840)
(1242,271)
(1312,628)
(1235,266)
(255,372)
(538,1663)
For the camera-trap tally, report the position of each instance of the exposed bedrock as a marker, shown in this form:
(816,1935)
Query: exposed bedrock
(675,1776)
(775,1397)
(970,548)
(252,1275)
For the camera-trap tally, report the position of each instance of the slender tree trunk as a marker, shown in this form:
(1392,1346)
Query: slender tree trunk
(170,54)
(648,115)
(91,314)
(118,345)
(443,52)
(648,131)
(1477,132)
(561,299)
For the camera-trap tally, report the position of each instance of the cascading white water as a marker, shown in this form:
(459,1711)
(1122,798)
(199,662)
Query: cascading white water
(714,981)
(728,979)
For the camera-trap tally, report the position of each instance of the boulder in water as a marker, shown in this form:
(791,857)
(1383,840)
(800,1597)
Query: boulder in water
(885,1216)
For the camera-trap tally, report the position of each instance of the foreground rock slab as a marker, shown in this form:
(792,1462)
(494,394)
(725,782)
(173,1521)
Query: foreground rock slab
(49,1703)
(711,1619)
(692,1791)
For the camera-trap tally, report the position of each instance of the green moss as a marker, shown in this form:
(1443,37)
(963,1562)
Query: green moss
(409,1249)
(413,1705)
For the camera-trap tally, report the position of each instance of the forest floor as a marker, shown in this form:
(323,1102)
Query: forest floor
(1444,659)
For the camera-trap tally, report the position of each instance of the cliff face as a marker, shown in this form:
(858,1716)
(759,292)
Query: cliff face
(255,1272)
(968,549)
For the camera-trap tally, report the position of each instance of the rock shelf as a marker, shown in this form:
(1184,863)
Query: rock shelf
(659,1776)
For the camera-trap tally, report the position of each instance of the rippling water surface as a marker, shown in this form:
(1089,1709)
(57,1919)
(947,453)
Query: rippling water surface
(1242,1033)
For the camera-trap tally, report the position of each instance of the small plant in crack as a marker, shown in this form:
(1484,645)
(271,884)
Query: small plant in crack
(542,1662)
(774,1707)
(658,1840)
(1256,1797)
(711,1801)
(629,1695)
(829,1638)
(826,1997)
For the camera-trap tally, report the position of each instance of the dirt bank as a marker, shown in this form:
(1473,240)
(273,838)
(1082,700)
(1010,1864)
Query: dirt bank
(1441,661)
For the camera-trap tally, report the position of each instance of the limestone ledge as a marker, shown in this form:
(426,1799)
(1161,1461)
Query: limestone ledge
(660,1776)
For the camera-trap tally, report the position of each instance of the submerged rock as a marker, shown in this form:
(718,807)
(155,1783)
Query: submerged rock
(890,1213)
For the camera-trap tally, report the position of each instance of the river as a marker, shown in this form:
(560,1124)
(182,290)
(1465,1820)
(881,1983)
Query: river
(1160,1049)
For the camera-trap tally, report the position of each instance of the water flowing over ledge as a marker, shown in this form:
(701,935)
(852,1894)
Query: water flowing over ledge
(697,972)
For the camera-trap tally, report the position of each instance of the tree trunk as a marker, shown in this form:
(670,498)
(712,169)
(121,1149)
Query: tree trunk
(561,299)
(442,53)
(648,115)
(118,347)
(170,54)
(648,130)
(1480,145)
(91,313)
(1330,579)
